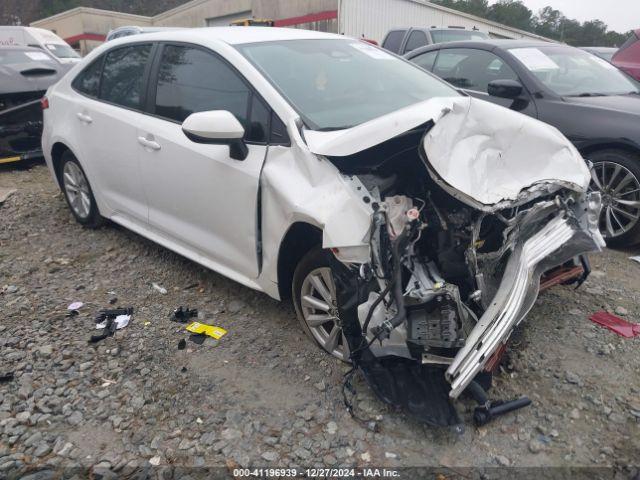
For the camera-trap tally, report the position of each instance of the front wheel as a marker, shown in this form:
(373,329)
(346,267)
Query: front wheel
(315,301)
(78,192)
(616,174)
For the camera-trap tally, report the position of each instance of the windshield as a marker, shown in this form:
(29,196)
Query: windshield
(61,50)
(441,36)
(571,72)
(13,57)
(336,84)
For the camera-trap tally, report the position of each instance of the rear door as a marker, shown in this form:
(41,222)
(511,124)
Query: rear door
(106,117)
(416,39)
(473,69)
(200,197)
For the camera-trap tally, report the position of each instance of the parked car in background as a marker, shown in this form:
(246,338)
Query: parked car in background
(134,30)
(589,100)
(39,38)
(25,75)
(605,53)
(628,57)
(325,169)
(404,40)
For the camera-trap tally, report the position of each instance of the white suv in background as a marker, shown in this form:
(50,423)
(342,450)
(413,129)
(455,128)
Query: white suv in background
(405,220)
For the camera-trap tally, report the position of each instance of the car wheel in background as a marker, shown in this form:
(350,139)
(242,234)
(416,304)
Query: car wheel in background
(616,174)
(78,192)
(314,297)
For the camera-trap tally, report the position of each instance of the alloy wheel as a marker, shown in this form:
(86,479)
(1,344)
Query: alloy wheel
(77,189)
(620,198)
(319,306)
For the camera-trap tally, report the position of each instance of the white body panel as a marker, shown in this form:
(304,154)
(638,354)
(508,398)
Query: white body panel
(35,37)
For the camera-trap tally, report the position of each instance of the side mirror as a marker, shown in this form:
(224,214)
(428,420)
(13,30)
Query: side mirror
(219,127)
(505,89)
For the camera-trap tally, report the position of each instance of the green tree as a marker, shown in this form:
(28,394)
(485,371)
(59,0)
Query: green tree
(513,13)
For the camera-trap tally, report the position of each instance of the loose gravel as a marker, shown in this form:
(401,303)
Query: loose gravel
(263,395)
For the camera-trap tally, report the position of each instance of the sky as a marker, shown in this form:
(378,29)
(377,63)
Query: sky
(620,15)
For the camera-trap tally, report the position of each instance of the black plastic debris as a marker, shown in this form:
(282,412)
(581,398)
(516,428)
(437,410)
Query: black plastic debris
(109,316)
(182,344)
(183,314)
(197,338)
(6,377)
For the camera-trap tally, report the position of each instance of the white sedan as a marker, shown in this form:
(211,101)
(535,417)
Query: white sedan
(409,224)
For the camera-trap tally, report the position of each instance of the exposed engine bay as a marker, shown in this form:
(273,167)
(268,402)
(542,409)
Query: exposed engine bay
(449,277)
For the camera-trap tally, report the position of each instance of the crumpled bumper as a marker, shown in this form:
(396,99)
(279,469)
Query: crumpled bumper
(571,231)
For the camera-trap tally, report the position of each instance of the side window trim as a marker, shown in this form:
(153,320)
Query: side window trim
(152,87)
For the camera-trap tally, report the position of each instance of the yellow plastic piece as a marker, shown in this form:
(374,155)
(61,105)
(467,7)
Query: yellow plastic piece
(210,330)
(10,159)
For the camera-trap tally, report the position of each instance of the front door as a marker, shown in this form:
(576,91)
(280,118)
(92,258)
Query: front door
(198,195)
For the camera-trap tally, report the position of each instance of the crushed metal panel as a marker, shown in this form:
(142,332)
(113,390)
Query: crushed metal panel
(490,154)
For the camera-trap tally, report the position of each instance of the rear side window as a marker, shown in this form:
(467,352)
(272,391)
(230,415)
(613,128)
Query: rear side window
(417,39)
(123,75)
(88,81)
(393,40)
(192,80)
(426,60)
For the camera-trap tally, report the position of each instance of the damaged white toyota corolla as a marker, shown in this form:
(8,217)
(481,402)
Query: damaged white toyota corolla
(410,224)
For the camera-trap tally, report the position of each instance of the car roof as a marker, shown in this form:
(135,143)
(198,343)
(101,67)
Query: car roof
(490,44)
(598,49)
(237,35)
(22,48)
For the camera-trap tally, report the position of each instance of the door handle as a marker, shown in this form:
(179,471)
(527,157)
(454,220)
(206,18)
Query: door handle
(149,143)
(84,118)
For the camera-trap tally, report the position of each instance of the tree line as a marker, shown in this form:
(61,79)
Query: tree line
(549,22)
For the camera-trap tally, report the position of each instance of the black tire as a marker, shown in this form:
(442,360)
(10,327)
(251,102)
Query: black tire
(630,162)
(92,219)
(315,259)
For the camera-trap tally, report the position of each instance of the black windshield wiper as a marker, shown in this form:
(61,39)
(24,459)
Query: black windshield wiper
(333,129)
(589,94)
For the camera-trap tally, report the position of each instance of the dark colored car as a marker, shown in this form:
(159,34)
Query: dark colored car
(628,57)
(404,40)
(589,100)
(25,75)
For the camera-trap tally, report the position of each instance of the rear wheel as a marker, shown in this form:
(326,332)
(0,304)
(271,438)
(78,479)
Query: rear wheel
(78,192)
(315,301)
(616,174)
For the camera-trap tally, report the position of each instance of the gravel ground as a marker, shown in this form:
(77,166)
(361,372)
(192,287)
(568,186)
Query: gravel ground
(264,395)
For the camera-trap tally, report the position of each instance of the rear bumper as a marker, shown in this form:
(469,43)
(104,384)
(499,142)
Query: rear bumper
(569,233)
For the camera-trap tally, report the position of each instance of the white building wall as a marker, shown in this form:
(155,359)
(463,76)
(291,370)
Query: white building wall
(374,18)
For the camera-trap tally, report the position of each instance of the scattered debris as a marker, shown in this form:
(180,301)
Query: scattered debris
(183,314)
(182,344)
(616,324)
(159,288)
(110,321)
(197,338)
(75,306)
(635,259)
(210,330)
(6,377)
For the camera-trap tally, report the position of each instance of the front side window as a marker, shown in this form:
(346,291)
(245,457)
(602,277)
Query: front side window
(471,69)
(123,75)
(336,84)
(416,39)
(88,81)
(572,72)
(192,80)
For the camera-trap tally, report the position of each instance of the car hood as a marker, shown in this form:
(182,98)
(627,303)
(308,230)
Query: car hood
(618,103)
(29,77)
(485,155)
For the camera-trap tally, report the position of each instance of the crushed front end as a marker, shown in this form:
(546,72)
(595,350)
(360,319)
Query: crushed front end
(455,256)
